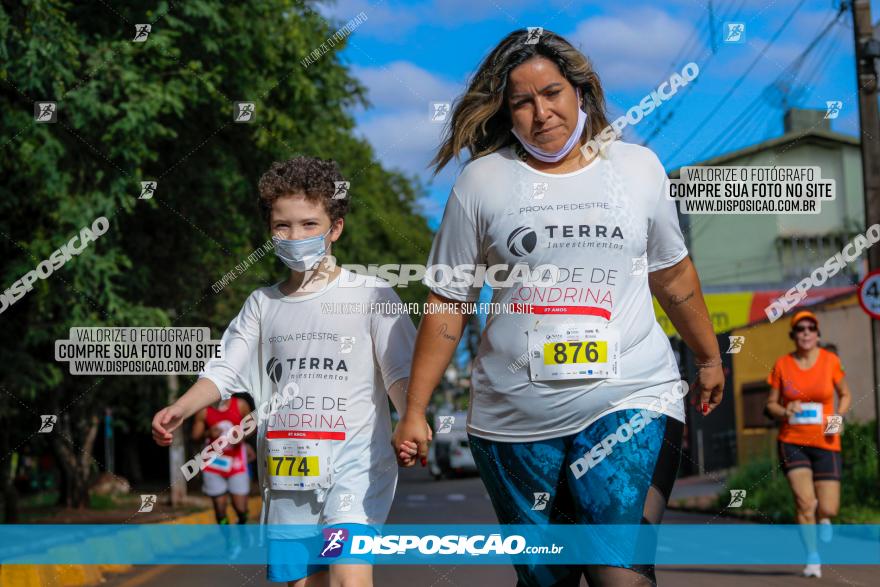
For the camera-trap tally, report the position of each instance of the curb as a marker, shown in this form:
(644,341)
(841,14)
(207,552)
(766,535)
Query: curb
(28,575)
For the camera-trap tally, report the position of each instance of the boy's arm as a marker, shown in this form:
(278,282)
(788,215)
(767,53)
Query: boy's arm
(393,339)
(397,393)
(221,375)
(230,373)
(202,394)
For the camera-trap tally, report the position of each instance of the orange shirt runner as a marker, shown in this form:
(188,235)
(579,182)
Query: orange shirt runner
(810,386)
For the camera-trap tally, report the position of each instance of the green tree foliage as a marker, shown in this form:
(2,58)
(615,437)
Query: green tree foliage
(160,110)
(769,494)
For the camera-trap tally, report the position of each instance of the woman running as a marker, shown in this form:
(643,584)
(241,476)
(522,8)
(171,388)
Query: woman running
(582,358)
(802,386)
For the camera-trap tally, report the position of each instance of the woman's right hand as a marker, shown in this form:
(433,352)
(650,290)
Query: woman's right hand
(165,422)
(415,430)
(792,408)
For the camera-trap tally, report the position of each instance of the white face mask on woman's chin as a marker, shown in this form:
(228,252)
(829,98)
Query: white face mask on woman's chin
(573,139)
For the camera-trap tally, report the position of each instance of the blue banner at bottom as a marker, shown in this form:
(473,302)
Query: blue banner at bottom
(413,544)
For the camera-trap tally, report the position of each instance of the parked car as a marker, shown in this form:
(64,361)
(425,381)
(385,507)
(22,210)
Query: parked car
(450,453)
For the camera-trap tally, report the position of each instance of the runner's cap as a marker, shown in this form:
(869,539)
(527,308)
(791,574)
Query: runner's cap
(798,316)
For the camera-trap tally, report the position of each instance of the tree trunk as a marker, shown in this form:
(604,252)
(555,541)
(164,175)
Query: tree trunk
(7,478)
(63,491)
(136,472)
(75,463)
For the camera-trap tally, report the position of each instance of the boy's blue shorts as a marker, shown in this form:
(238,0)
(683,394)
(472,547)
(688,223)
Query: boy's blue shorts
(291,560)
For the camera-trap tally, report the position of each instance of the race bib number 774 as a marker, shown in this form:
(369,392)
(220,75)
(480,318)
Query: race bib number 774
(294,466)
(298,464)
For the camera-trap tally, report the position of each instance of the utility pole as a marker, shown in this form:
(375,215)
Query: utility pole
(867,51)
(713,31)
(109,441)
(176,454)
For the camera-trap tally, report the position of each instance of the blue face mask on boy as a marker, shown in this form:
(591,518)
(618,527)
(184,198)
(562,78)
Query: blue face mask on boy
(302,254)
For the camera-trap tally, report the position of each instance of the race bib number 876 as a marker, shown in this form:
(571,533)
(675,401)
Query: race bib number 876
(565,353)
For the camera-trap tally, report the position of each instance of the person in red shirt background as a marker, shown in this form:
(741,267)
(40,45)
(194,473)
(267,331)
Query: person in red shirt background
(228,473)
(802,387)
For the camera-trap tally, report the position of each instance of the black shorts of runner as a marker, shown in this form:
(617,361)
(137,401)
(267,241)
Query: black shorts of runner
(826,464)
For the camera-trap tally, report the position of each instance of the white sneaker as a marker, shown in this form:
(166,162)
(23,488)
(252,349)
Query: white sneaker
(813,570)
(826,530)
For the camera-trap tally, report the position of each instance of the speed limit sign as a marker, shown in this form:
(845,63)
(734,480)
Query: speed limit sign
(869,294)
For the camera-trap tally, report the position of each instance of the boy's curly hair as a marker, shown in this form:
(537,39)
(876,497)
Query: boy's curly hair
(312,177)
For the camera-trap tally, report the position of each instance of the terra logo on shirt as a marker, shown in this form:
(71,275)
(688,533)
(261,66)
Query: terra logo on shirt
(273,369)
(583,230)
(325,363)
(522,241)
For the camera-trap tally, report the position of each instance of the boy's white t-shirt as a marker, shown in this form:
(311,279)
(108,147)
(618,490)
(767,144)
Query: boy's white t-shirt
(606,226)
(343,364)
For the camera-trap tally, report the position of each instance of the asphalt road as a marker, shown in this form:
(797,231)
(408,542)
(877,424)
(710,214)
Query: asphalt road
(421,500)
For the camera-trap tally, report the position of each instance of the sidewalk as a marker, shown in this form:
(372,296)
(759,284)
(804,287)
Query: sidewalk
(697,492)
(26,575)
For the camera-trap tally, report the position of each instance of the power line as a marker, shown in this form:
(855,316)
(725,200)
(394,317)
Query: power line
(659,120)
(694,38)
(741,79)
(824,58)
(662,121)
(726,136)
(734,131)
(755,114)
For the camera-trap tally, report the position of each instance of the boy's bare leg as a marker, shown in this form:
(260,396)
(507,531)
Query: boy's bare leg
(321,579)
(351,576)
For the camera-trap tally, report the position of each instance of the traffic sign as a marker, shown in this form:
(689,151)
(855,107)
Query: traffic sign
(869,294)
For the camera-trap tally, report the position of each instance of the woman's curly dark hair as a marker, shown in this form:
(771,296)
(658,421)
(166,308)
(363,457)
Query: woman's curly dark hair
(312,177)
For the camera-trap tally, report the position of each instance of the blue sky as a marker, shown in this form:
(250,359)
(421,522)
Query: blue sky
(411,53)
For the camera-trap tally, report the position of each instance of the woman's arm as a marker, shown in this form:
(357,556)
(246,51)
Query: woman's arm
(678,291)
(774,407)
(436,342)
(844,396)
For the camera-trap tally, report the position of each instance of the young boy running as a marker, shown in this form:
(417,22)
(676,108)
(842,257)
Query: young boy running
(325,456)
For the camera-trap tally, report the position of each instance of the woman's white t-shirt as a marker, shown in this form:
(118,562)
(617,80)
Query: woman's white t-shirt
(606,226)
